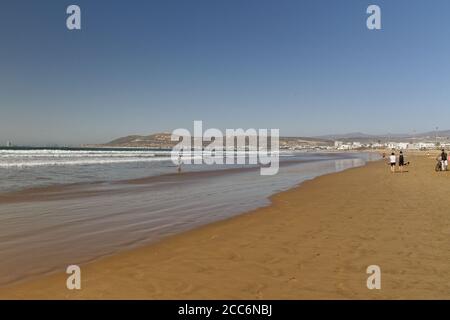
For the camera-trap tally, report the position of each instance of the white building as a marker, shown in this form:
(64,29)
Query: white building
(344,147)
(337,144)
(425,145)
(398,145)
(378,145)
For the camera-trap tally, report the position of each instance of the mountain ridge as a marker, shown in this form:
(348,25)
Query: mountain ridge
(163,139)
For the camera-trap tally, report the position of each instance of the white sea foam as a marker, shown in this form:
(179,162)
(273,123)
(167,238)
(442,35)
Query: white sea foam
(81,153)
(22,164)
(54,157)
(49,157)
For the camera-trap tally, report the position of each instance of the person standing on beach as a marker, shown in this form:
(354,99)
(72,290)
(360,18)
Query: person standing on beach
(401,161)
(444,160)
(393,161)
(180,161)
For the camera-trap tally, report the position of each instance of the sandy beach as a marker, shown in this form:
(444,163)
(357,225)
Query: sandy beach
(314,241)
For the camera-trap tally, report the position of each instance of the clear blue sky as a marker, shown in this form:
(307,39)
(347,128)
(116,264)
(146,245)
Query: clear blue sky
(142,66)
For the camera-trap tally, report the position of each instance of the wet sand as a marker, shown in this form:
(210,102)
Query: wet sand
(82,190)
(314,242)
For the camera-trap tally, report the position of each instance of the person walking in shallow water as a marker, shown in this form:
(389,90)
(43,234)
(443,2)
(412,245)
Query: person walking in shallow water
(180,162)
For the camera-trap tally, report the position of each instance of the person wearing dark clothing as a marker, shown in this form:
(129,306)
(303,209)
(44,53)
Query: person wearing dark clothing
(401,161)
(444,160)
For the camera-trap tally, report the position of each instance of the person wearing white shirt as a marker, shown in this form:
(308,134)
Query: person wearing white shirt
(392,161)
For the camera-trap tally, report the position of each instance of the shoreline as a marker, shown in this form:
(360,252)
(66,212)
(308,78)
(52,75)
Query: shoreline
(107,225)
(313,241)
(72,190)
(161,242)
(90,192)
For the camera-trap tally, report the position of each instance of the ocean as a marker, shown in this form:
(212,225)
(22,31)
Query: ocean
(71,206)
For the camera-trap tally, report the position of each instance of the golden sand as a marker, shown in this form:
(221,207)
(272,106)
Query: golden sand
(314,242)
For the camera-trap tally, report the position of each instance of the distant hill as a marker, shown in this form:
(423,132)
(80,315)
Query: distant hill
(442,133)
(157,140)
(163,141)
(393,137)
(352,135)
